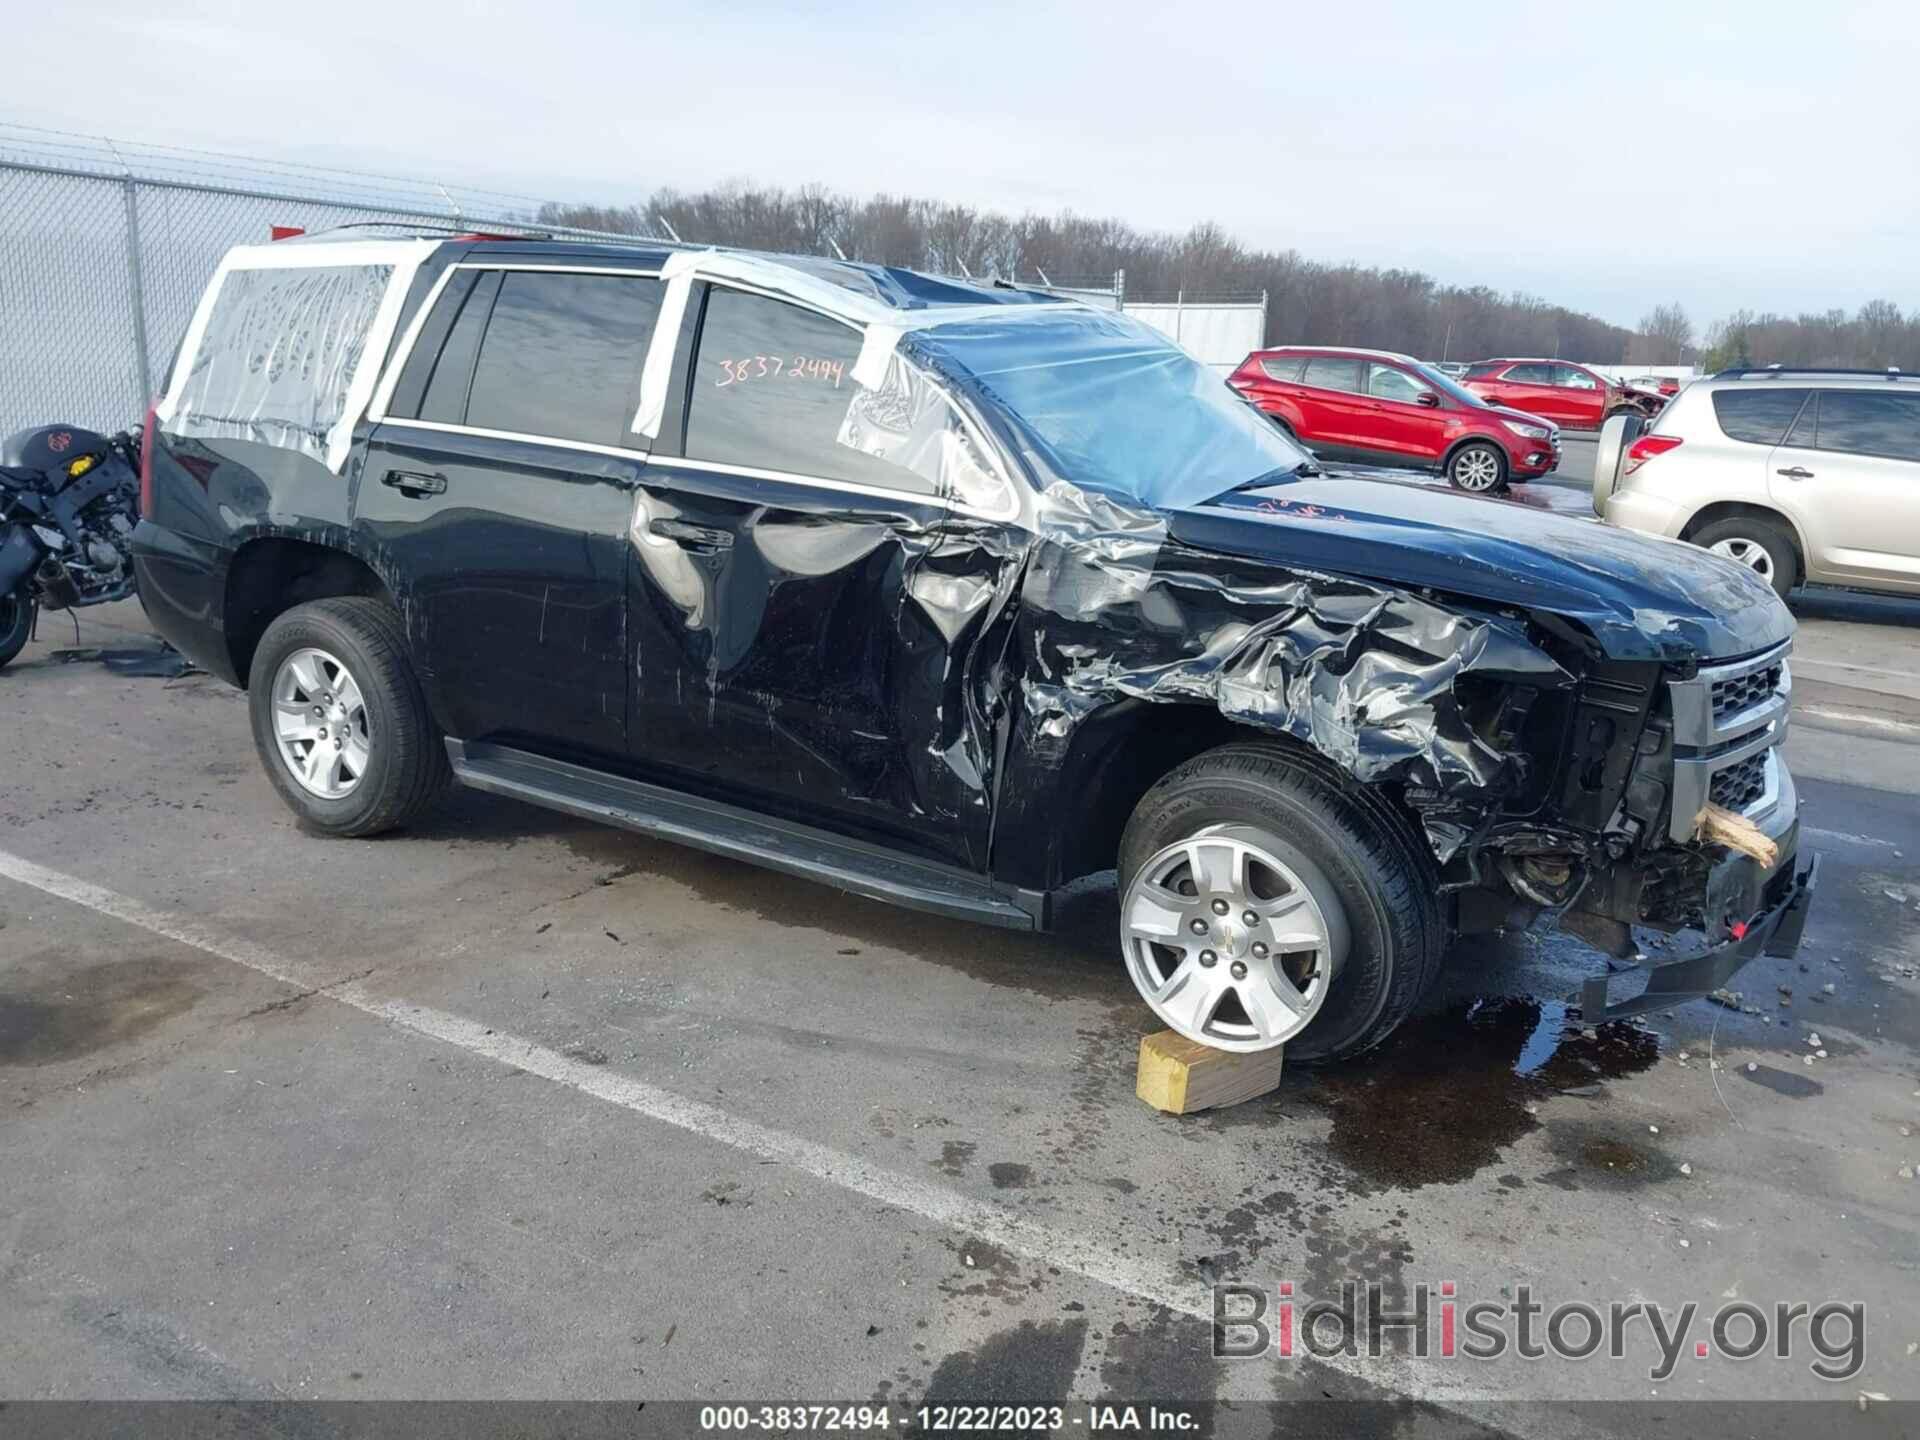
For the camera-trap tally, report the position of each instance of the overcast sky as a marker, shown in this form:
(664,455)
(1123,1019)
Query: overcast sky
(1604,155)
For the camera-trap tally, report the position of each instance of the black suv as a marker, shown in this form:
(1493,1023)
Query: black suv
(949,595)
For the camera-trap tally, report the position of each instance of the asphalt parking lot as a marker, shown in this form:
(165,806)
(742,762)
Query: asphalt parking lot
(509,1105)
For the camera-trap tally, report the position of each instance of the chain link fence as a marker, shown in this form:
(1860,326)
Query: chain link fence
(105,248)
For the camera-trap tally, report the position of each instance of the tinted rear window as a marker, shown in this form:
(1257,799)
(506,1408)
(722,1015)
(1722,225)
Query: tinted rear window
(1865,422)
(562,355)
(1331,374)
(446,393)
(1283,367)
(1759,417)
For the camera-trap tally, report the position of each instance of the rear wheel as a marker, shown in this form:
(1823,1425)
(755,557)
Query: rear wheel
(1479,467)
(1266,899)
(16,625)
(1762,545)
(339,718)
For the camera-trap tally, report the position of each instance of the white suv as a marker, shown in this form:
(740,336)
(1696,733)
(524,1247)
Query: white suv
(1802,475)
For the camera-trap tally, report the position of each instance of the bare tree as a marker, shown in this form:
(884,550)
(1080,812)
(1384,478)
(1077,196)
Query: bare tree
(1307,300)
(1665,337)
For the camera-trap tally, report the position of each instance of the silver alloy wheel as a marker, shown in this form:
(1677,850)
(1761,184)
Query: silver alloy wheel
(1750,553)
(1476,469)
(320,722)
(1229,944)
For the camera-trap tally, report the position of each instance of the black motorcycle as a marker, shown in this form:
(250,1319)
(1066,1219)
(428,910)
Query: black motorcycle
(69,499)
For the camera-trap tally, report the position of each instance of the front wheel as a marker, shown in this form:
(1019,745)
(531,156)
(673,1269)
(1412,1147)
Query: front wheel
(16,624)
(1267,899)
(1478,468)
(339,718)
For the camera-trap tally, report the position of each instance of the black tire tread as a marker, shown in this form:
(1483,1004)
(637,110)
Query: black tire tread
(1372,831)
(14,639)
(418,770)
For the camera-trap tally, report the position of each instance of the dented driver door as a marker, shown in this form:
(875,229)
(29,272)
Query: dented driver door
(778,657)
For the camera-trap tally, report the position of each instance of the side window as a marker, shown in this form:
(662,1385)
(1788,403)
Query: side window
(445,399)
(1385,382)
(1283,367)
(1869,422)
(1573,379)
(771,388)
(1480,372)
(562,355)
(1332,374)
(1759,417)
(1529,374)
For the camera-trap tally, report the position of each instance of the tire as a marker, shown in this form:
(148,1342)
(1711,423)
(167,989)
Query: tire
(403,758)
(1468,468)
(16,625)
(1351,849)
(1762,545)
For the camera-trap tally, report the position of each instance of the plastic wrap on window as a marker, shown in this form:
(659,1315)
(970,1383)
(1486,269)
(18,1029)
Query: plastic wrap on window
(279,356)
(905,419)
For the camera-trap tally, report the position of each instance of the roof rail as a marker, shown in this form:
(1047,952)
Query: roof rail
(505,230)
(1773,372)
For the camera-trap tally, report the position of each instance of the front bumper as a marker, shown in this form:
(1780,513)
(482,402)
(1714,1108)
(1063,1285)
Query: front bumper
(1776,930)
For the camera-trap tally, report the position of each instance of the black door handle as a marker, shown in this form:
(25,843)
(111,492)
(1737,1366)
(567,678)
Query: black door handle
(698,537)
(1797,472)
(415,483)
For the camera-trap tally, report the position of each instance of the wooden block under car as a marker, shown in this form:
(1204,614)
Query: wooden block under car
(1180,1076)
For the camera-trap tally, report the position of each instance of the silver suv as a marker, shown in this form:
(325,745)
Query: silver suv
(1802,475)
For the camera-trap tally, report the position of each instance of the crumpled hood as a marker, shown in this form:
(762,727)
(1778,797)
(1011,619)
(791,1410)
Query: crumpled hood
(1642,598)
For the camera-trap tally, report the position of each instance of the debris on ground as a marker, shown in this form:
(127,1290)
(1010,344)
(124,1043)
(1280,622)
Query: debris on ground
(157,662)
(1726,999)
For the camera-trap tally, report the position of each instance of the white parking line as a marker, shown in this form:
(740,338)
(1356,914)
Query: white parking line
(1846,837)
(1161,1284)
(1857,717)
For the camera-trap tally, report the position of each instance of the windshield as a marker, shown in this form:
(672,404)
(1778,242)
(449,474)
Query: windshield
(1447,385)
(1108,403)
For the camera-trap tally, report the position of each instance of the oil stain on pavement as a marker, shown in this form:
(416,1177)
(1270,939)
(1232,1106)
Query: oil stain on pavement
(72,1013)
(1448,1092)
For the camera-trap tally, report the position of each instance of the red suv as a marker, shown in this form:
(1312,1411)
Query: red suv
(1380,408)
(1557,390)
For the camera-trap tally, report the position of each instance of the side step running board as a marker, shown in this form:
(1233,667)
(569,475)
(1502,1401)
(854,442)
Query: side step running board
(782,845)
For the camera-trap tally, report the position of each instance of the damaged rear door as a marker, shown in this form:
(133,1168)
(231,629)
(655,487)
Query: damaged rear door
(496,492)
(779,655)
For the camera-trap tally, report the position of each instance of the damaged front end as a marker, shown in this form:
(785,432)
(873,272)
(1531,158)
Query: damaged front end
(1556,711)
(1661,763)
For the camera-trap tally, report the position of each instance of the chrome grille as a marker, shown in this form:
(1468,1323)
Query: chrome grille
(1727,720)
(1740,784)
(1730,697)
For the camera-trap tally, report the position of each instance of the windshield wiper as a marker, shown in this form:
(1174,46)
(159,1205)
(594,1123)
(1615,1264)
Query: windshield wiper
(1306,469)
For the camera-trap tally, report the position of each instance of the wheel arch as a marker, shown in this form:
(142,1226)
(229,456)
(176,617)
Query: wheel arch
(1475,437)
(1123,751)
(271,574)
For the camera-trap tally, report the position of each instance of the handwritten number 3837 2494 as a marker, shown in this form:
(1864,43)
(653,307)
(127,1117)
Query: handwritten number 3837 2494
(774,367)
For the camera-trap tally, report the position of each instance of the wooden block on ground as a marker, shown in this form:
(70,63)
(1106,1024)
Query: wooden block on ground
(1180,1076)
